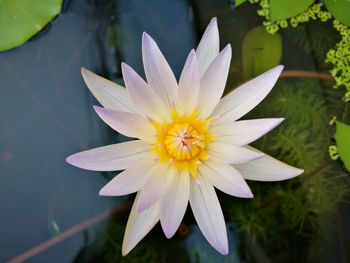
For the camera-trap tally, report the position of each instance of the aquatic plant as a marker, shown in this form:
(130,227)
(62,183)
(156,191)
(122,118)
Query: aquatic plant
(189,140)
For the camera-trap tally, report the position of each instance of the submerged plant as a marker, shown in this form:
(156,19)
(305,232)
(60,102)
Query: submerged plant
(189,140)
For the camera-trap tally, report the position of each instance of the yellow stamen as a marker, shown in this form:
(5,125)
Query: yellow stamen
(182,141)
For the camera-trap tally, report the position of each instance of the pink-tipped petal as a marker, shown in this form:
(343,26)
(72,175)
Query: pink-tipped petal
(144,98)
(243,99)
(243,132)
(189,85)
(208,214)
(110,158)
(131,180)
(225,178)
(174,203)
(231,154)
(208,47)
(108,93)
(156,186)
(138,226)
(213,82)
(128,124)
(267,169)
(158,72)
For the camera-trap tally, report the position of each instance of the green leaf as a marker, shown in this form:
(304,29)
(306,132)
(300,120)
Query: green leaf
(283,9)
(239,2)
(342,137)
(340,9)
(22,19)
(260,52)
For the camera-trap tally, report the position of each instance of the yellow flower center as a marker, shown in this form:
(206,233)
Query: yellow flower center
(183,141)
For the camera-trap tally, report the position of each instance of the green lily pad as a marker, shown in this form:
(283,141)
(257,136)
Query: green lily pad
(283,9)
(239,2)
(342,137)
(340,9)
(22,19)
(260,52)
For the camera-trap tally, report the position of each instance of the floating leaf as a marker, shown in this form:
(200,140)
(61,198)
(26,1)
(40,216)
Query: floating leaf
(239,2)
(283,9)
(340,9)
(260,52)
(342,137)
(22,19)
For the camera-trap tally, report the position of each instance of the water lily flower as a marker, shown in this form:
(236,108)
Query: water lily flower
(189,139)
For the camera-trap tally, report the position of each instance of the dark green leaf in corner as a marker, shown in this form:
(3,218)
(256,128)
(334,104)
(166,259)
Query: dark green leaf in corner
(22,19)
(260,52)
(283,9)
(342,137)
(340,9)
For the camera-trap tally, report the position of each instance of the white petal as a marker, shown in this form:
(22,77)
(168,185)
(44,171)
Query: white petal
(174,203)
(243,132)
(138,226)
(156,186)
(189,84)
(208,214)
(110,158)
(213,82)
(131,180)
(108,93)
(144,98)
(225,178)
(229,153)
(241,100)
(128,124)
(267,169)
(208,47)
(158,72)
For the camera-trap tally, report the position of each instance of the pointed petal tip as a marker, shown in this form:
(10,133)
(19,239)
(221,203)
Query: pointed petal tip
(213,22)
(146,37)
(73,160)
(168,233)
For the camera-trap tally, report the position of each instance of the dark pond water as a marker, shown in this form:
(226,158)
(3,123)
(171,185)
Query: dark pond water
(50,211)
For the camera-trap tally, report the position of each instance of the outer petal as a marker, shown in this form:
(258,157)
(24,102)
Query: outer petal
(144,98)
(232,154)
(110,158)
(207,211)
(241,100)
(225,178)
(108,93)
(156,186)
(267,169)
(128,124)
(213,82)
(131,180)
(159,75)
(138,226)
(208,47)
(244,132)
(189,84)
(174,203)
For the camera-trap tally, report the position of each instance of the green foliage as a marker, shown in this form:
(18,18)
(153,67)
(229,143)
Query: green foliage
(260,52)
(314,38)
(342,137)
(340,58)
(340,9)
(22,19)
(283,9)
(312,13)
(294,208)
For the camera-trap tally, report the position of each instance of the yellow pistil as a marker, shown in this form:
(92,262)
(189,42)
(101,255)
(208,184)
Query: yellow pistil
(182,141)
